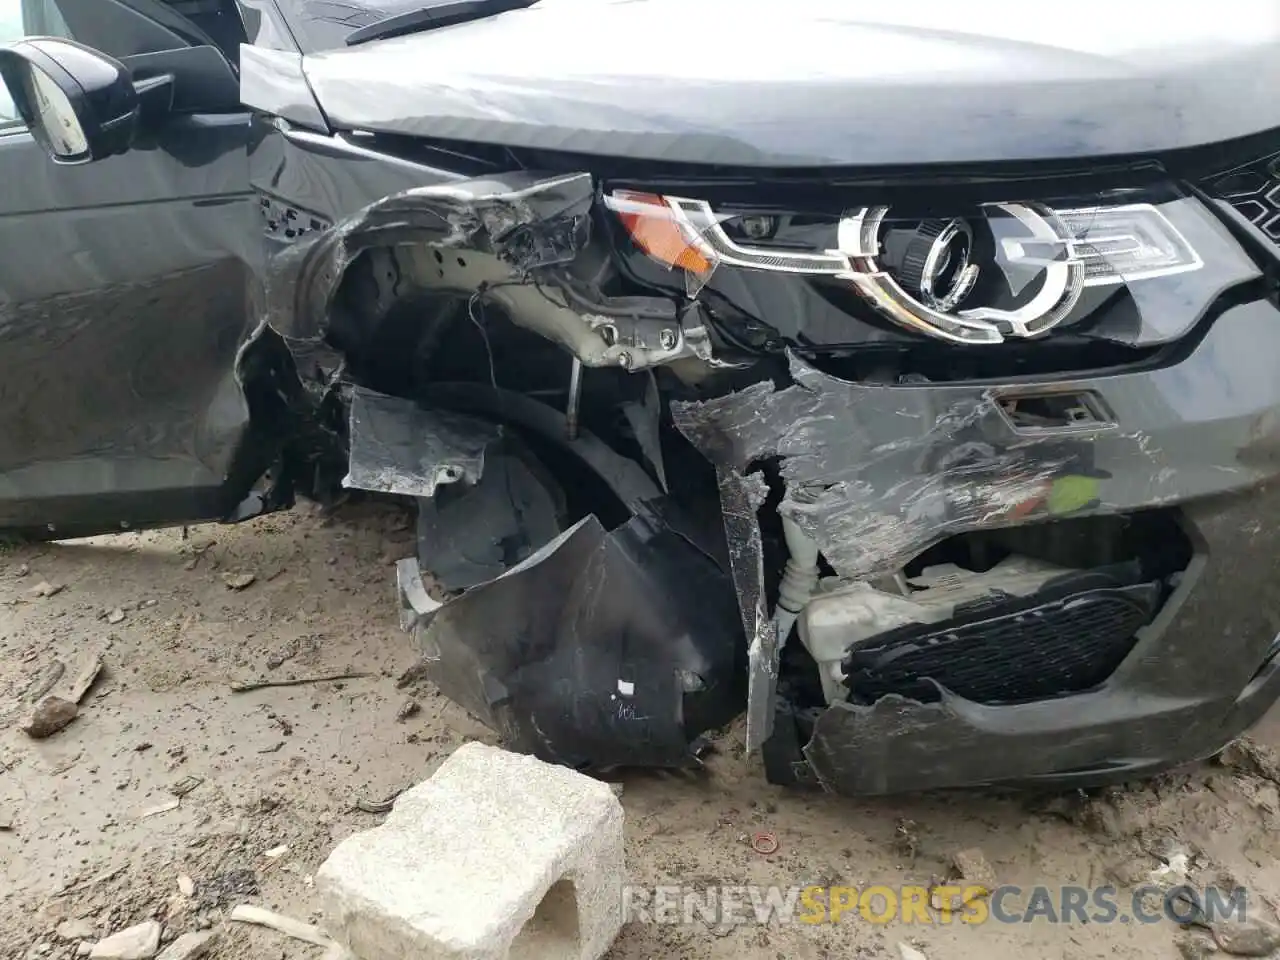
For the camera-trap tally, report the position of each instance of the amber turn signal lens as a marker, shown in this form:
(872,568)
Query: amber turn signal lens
(656,229)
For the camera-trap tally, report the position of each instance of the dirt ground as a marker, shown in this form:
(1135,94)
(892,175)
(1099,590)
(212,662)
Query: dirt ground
(84,833)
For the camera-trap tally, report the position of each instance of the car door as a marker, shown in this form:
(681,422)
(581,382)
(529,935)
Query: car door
(123,301)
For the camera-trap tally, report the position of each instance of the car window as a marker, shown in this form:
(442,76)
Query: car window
(26,18)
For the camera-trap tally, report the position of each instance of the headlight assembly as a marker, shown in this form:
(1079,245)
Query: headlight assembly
(991,272)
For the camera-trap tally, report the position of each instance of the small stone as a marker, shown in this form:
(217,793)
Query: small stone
(140,942)
(239,581)
(82,929)
(1251,938)
(908,952)
(973,870)
(45,589)
(84,949)
(1129,873)
(50,715)
(84,673)
(186,886)
(22,570)
(1193,947)
(407,710)
(115,616)
(191,946)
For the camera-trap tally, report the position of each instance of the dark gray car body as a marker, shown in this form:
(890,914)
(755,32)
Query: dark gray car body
(221,348)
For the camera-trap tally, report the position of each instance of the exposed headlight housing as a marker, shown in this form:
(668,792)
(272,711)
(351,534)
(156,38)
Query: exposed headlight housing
(930,275)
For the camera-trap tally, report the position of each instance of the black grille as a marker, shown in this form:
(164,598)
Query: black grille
(1254,190)
(1067,639)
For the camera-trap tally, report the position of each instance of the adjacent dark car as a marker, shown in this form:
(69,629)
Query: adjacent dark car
(906,379)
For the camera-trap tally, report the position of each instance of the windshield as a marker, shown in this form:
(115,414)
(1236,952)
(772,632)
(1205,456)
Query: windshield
(325,24)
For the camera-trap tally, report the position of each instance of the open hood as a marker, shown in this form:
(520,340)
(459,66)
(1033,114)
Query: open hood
(821,82)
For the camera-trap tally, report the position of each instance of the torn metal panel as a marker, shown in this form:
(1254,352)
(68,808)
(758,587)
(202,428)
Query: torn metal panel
(398,447)
(740,497)
(517,223)
(512,239)
(876,474)
(600,649)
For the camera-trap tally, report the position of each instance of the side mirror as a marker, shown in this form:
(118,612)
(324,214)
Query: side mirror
(79,104)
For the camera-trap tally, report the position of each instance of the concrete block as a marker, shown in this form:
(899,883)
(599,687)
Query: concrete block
(498,856)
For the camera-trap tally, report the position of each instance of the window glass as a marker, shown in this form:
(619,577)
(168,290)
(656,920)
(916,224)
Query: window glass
(26,18)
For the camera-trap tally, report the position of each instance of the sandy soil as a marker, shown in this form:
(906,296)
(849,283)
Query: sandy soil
(286,767)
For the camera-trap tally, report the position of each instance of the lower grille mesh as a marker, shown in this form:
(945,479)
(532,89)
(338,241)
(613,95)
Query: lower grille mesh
(1013,652)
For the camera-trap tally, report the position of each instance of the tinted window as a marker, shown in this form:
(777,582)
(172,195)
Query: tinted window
(26,18)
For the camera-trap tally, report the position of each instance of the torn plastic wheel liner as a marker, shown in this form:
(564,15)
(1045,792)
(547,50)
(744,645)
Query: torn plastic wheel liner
(587,647)
(603,648)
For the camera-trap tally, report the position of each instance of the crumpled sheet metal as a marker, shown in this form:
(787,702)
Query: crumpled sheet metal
(522,220)
(740,497)
(400,448)
(603,648)
(877,474)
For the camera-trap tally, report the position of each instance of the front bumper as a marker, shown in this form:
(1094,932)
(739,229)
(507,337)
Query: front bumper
(877,474)
(1197,677)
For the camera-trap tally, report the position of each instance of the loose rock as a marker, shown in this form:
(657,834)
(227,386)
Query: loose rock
(84,674)
(45,589)
(46,680)
(186,886)
(908,952)
(239,581)
(1252,938)
(115,616)
(136,943)
(82,929)
(973,870)
(1193,947)
(50,715)
(191,946)
(407,710)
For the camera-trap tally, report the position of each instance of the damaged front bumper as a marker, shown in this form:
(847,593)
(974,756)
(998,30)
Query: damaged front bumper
(595,643)
(877,474)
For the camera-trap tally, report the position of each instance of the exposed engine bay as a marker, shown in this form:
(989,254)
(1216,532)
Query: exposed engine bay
(674,458)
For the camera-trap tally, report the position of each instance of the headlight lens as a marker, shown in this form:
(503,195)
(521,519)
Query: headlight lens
(993,271)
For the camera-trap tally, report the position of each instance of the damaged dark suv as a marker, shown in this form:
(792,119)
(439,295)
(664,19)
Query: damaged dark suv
(906,379)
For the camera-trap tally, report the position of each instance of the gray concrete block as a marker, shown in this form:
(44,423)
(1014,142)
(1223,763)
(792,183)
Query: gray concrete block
(498,856)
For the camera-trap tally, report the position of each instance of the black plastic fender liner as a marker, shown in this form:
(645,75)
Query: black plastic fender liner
(601,649)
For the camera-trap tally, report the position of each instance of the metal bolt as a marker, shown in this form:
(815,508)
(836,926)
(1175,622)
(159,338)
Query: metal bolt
(668,339)
(624,360)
